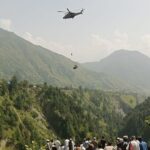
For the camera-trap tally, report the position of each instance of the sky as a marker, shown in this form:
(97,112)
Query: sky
(105,26)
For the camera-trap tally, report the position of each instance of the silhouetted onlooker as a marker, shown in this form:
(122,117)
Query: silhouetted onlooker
(143,144)
(102,142)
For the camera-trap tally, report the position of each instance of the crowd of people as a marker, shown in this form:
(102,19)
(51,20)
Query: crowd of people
(124,143)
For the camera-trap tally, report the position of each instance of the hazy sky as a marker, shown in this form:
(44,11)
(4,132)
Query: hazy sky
(106,26)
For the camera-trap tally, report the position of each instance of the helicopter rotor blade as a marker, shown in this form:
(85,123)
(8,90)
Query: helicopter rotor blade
(68,10)
(61,11)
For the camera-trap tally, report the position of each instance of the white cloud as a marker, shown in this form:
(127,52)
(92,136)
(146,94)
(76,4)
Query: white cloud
(104,46)
(101,42)
(51,45)
(34,39)
(146,40)
(5,24)
(99,47)
(118,41)
(143,45)
(121,40)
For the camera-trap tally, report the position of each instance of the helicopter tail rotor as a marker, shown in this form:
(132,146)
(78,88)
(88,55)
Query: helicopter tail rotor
(82,11)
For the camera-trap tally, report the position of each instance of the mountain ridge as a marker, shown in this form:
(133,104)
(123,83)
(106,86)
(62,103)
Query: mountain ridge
(37,64)
(130,66)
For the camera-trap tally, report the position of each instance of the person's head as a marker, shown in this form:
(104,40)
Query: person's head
(109,143)
(133,137)
(140,138)
(120,140)
(91,146)
(94,138)
(57,138)
(125,138)
(117,140)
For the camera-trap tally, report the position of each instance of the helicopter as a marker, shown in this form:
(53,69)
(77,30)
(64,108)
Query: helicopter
(70,14)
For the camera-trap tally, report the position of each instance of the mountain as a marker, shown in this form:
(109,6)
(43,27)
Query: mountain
(34,63)
(130,66)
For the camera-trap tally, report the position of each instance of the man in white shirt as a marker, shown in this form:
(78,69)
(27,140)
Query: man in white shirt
(57,144)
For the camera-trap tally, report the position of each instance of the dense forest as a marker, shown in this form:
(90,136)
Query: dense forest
(137,122)
(36,112)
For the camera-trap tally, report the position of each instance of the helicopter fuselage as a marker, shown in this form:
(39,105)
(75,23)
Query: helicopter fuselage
(71,15)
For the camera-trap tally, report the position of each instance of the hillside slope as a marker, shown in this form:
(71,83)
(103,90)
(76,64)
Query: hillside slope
(31,62)
(34,113)
(130,66)
(137,122)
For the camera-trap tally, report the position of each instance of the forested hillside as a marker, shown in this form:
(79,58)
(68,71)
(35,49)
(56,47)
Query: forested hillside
(137,122)
(37,112)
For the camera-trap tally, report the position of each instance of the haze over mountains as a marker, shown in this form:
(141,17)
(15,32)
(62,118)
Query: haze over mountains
(34,63)
(122,70)
(132,67)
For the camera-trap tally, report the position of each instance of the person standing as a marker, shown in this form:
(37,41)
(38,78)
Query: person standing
(57,144)
(102,142)
(66,144)
(109,146)
(143,144)
(71,144)
(49,144)
(125,142)
(133,144)
(94,142)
